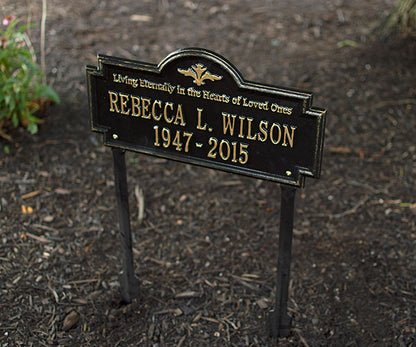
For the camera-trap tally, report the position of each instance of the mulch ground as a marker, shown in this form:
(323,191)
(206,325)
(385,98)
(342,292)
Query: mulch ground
(206,248)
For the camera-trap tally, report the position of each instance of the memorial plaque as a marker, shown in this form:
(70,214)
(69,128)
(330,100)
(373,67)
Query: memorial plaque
(195,107)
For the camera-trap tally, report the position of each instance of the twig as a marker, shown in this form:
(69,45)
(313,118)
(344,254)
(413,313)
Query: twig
(235,327)
(181,341)
(212,320)
(55,294)
(38,238)
(44,227)
(395,102)
(138,192)
(188,294)
(301,338)
(84,281)
(29,20)
(159,262)
(345,213)
(30,46)
(42,40)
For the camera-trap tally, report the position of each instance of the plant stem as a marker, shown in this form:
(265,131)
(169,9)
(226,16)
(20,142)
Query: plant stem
(42,41)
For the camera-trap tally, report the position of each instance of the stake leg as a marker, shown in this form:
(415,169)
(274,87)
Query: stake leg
(279,319)
(129,283)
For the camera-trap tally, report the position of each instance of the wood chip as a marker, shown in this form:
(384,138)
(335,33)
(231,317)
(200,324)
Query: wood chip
(44,227)
(189,294)
(138,192)
(175,311)
(160,262)
(262,303)
(80,301)
(212,320)
(31,194)
(71,320)
(48,219)
(339,150)
(62,191)
(140,18)
(181,341)
(55,294)
(37,238)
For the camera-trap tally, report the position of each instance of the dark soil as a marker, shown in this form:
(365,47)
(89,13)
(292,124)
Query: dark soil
(206,250)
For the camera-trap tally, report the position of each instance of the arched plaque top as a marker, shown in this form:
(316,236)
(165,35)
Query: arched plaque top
(176,57)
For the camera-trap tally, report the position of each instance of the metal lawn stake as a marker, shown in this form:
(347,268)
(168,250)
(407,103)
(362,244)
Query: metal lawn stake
(196,108)
(279,320)
(129,283)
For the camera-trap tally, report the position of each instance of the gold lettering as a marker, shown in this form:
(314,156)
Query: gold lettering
(199,127)
(165,112)
(241,134)
(224,150)
(226,123)
(135,106)
(249,136)
(179,116)
(113,101)
(123,102)
(281,109)
(193,92)
(272,139)
(264,124)
(159,116)
(288,136)
(145,108)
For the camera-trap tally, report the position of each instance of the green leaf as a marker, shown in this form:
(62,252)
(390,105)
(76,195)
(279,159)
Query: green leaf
(33,128)
(15,119)
(347,43)
(47,92)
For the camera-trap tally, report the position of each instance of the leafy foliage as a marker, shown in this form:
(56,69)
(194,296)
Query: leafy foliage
(403,18)
(21,90)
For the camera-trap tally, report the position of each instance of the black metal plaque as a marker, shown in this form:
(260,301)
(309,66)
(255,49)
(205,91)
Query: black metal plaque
(195,107)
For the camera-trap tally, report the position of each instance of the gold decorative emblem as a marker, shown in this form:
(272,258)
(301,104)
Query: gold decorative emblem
(199,73)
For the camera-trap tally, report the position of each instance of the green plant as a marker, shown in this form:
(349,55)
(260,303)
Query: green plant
(401,19)
(22,93)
